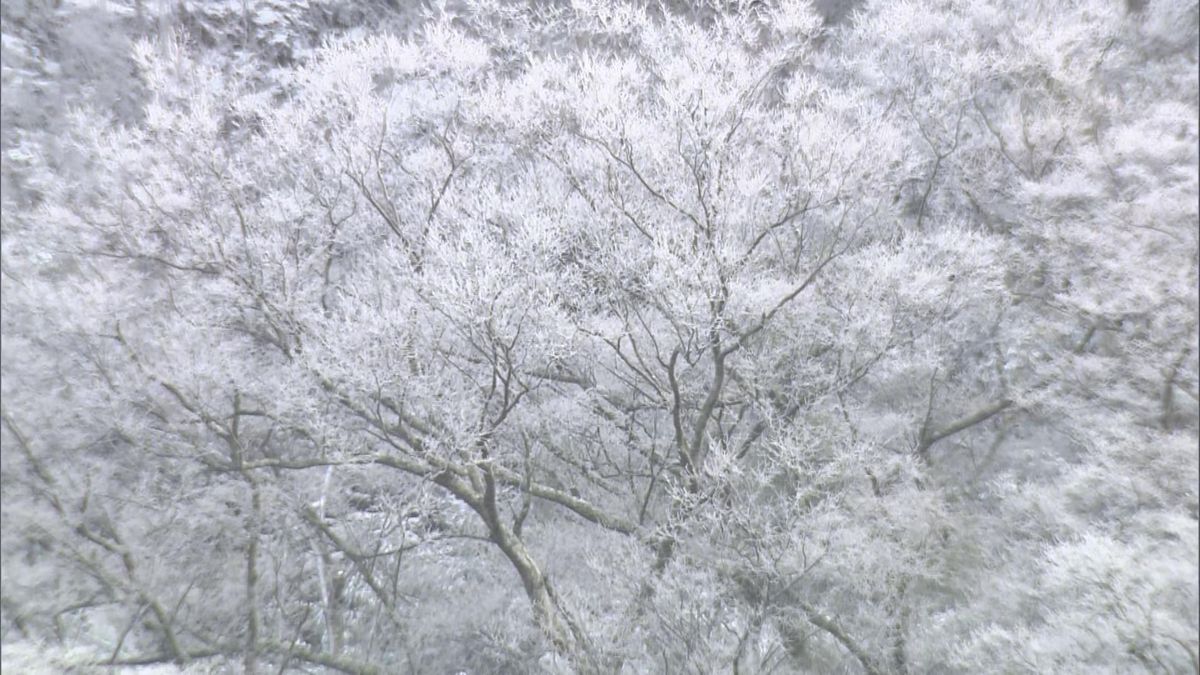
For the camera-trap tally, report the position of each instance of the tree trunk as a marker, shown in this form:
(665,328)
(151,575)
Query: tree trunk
(549,615)
(546,610)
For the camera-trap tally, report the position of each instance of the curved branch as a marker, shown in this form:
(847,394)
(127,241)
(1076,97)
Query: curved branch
(830,625)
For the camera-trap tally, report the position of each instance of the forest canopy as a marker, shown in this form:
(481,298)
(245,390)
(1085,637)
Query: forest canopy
(601,337)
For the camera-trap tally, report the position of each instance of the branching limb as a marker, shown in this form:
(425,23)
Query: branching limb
(835,630)
(978,417)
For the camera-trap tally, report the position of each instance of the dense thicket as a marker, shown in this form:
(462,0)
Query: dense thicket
(602,338)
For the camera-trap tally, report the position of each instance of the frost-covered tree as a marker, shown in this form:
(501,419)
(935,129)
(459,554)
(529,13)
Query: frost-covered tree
(863,345)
